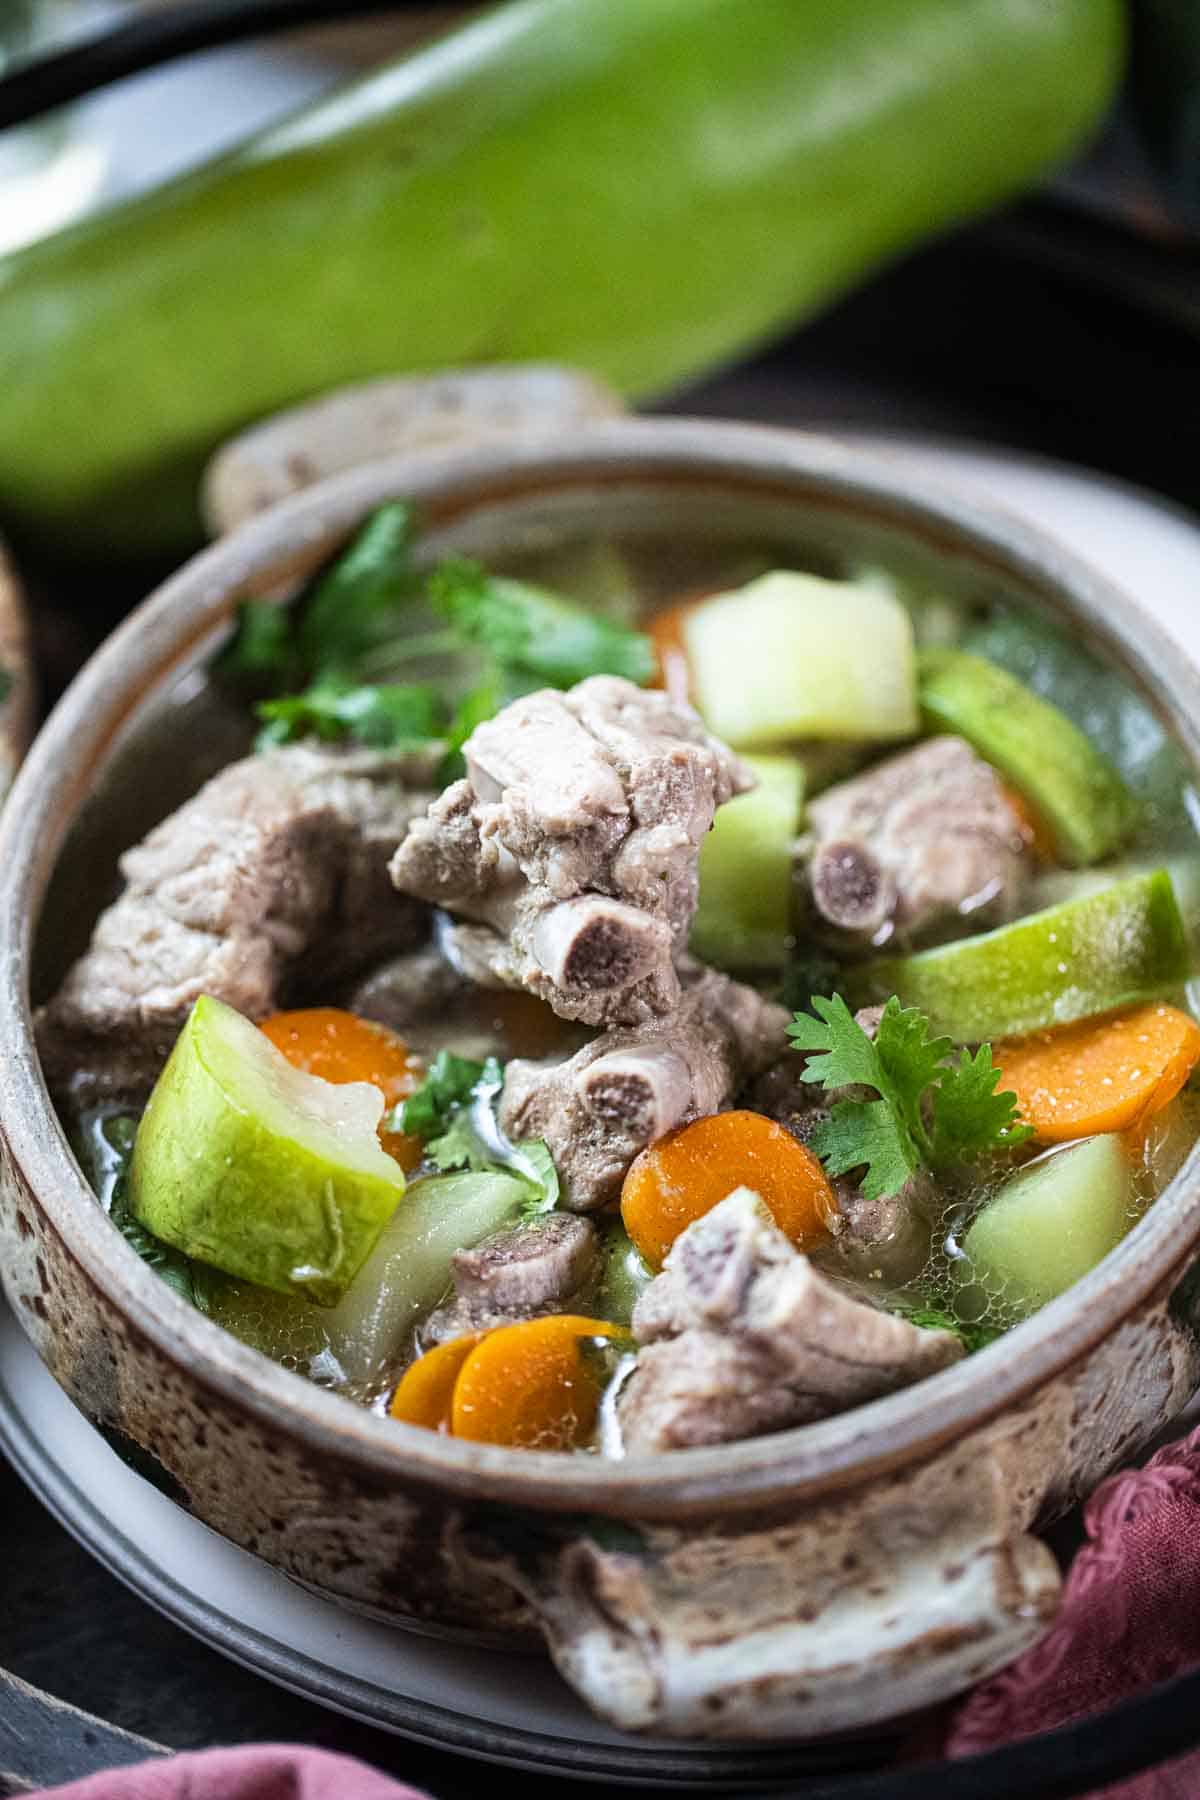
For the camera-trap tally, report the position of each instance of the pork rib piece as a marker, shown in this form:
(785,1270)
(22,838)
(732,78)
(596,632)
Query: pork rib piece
(568,854)
(279,862)
(630,1086)
(890,1234)
(741,1336)
(921,839)
(523,1272)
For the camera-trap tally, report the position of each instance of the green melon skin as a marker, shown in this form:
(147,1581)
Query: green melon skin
(1050,1224)
(409,1271)
(1114,948)
(1075,789)
(258,1169)
(796,656)
(406,1274)
(744,919)
(645,188)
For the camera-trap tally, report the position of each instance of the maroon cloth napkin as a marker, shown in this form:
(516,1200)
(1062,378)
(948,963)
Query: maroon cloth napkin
(1130,1617)
(257,1772)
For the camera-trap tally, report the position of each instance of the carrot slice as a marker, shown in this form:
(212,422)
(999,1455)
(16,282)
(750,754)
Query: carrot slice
(1107,1074)
(535,1385)
(666,634)
(1036,832)
(686,1173)
(340,1047)
(425,1394)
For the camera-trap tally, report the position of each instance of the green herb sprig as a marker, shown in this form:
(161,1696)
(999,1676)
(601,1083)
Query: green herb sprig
(934,1108)
(452,1113)
(107,1152)
(975,1336)
(532,636)
(332,664)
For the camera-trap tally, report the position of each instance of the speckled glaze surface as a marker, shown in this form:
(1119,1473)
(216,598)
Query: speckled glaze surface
(787,1586)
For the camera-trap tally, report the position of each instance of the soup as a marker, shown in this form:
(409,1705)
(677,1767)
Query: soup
(646,997)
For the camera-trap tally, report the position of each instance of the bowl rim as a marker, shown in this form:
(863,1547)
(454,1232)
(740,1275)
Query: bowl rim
(148,648)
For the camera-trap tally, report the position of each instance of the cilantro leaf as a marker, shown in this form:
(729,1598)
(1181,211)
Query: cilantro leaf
(928,1110)
(969,1117)
(464,1145)
(849,1056)
(530,631)
(910,1059)
(451,1112)
(351,604)
(186,1278)
(533,1161)
(330,664)
(460,1146)
(108,1150)
(935,1318)
(867,1133)
(450,1083)
(346,610)
(483,702)
(261,652)
(387,717)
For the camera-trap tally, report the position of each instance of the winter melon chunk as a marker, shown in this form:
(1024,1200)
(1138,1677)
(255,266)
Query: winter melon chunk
(255,1167)
(797,656)
(744,919)
(1049,1224)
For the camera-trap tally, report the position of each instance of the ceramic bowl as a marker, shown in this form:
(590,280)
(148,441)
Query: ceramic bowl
(812,1581)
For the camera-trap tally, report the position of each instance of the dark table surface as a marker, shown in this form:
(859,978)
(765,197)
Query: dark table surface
(1035,332)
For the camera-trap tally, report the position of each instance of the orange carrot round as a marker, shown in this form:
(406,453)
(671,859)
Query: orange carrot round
(665,630)
(425,1394)
(688,1172)
(1034,828)
(339,1046)
(1107,1074)
(534,1385)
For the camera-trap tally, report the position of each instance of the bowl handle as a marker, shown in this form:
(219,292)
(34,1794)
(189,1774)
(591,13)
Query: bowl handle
(413,415)
(848,1612)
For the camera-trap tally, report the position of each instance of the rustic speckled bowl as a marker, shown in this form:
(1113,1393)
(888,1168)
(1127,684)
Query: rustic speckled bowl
(820,1579)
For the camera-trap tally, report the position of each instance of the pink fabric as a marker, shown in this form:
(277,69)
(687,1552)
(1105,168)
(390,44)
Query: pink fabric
(1130,1618)
(258,1772)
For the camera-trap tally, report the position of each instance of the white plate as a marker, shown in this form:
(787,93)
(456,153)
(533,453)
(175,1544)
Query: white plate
(480,1702)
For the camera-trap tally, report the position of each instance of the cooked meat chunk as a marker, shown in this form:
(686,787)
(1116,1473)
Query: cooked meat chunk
(887,1237)
(784,1093)
(884,1239)
(919,841)
(740,1336)
(630,1086)
(429,1001)
(274,873)
(530,1269)
(411,992)
(569,852)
